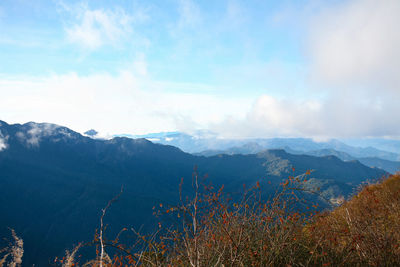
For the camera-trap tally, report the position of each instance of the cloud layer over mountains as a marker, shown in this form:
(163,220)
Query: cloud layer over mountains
(343,80)
(354,64)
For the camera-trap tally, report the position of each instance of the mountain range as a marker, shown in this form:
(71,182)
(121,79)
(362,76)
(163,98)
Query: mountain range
(54,182)
(380,153)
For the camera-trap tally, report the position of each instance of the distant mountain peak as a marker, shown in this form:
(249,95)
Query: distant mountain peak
(91,133)
(31,134)
(128,140)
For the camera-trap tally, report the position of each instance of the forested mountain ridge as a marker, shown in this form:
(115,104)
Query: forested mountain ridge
(54,181)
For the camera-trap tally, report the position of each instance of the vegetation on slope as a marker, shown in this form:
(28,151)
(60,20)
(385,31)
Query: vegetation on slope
(211,229)
(362,231)
(55,181)
(282,231)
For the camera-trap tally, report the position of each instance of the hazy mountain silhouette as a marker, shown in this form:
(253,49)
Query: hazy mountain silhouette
(206,143)
(252,148)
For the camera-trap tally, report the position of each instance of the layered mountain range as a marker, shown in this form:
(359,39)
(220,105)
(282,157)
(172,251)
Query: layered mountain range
(54,181)
(380,153)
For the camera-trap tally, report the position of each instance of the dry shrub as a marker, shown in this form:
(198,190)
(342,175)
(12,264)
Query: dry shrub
(69,259)
(364,231)
(13,253)
(215,231)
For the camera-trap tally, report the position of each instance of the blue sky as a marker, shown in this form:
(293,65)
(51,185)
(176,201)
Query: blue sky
(320,69)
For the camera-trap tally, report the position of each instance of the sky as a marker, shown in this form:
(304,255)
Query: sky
(319,69)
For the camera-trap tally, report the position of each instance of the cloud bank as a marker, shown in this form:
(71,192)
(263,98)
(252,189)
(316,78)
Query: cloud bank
(122,103)
(353,56)
(356,45)
(344,83)
(319,119)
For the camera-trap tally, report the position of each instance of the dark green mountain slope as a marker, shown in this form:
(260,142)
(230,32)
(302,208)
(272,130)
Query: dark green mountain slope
(54,182)
(253,148)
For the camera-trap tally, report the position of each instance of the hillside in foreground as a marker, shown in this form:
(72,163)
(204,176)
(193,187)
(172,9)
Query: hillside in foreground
(54,182)
(213,231)
(364,231)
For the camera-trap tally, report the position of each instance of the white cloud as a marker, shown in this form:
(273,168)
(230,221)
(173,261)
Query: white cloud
(132,103)
(355,45)
(92,29)
(3,145)
(38,131)
(321,119)
(3,142)
(354,60)
(123,103)
(272,117)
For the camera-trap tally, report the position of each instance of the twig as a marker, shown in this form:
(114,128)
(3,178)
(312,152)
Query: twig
(101,226)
